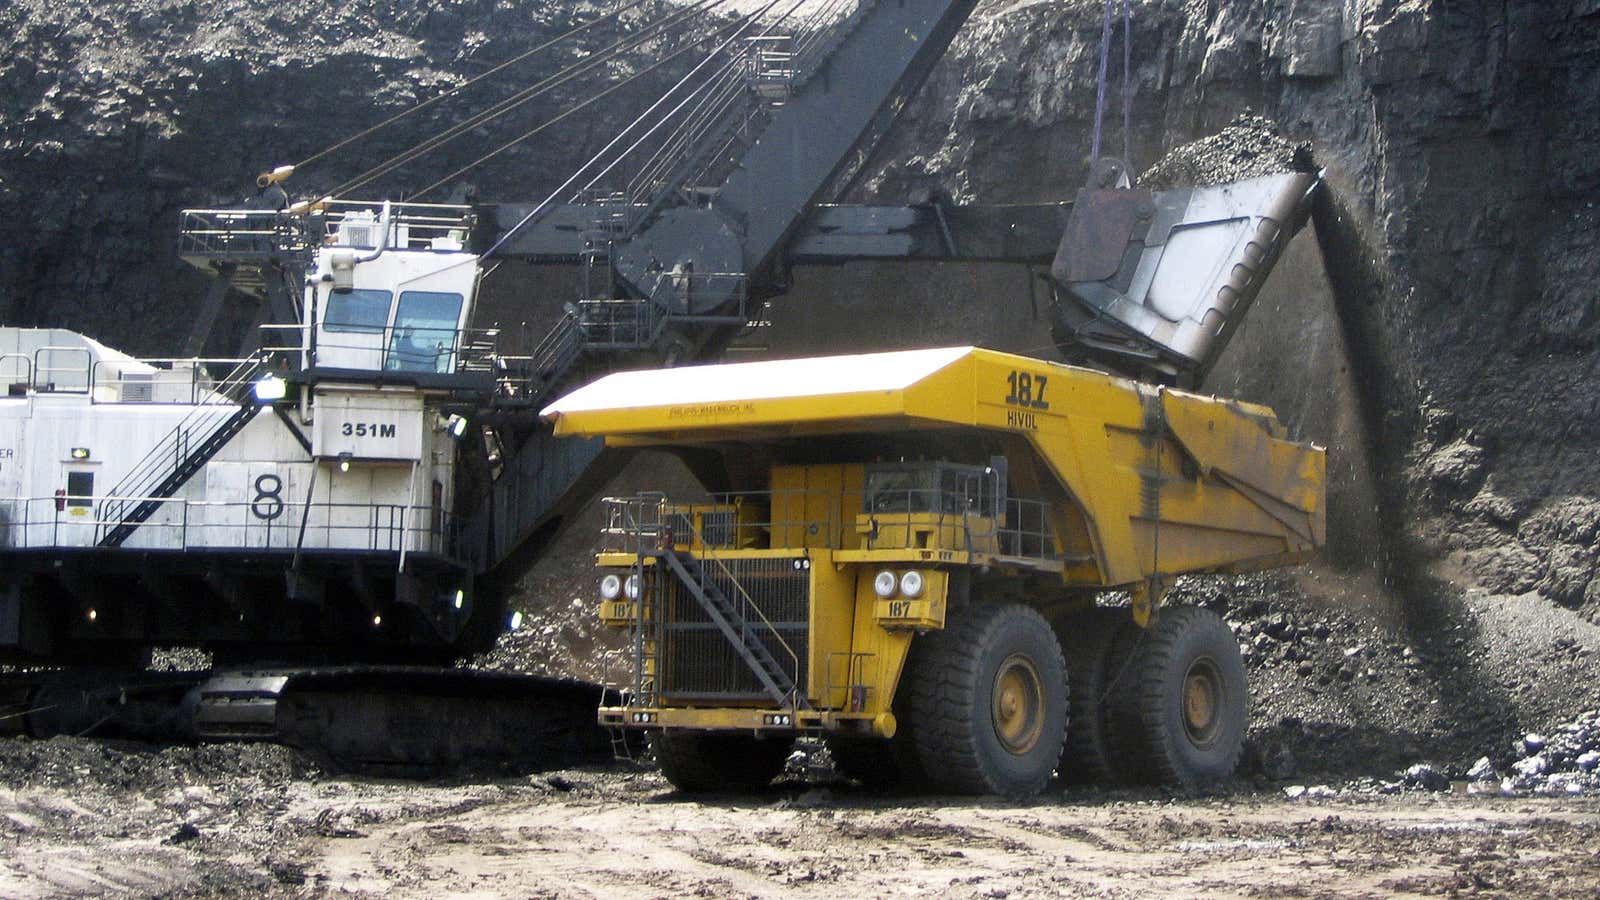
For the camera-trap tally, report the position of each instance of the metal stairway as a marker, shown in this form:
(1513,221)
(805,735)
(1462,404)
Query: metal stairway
(608,222)
(598,321)
(740,632)
(555,357)
(182,453)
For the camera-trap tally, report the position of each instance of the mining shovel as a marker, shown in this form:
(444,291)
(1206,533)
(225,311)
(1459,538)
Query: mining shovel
(1154,283)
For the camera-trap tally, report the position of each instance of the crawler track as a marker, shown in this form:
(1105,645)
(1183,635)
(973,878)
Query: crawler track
(392,720)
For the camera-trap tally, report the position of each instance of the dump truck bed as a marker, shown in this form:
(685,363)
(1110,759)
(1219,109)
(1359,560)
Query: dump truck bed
(1147,481)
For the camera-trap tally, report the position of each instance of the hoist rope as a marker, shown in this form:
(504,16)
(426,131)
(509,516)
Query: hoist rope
(516,100)
(699,92)
(573,32)
(699,89)
(1100,83)
(545,204)
(570,110)
(1127,83)
(1100,80)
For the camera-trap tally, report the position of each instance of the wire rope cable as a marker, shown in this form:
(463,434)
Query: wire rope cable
(705,85)
(568,112)
(539,210)
(601,57)
(501,67)
(1100,79)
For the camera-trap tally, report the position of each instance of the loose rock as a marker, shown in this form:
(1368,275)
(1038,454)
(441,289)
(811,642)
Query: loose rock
(1247,148)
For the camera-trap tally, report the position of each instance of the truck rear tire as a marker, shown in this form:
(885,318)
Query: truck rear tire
(1087,641)
(1126,754)
(988,695)
(1192,698)
(698,762)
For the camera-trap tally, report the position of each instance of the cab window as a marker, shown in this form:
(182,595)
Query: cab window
(363,311)
(931,487)
(424,331)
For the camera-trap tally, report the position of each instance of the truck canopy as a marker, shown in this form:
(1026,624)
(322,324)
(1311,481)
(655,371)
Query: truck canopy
(1148,481)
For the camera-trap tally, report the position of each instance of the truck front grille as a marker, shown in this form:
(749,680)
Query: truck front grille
(699,663)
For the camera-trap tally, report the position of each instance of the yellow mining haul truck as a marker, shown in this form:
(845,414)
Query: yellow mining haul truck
(902,552)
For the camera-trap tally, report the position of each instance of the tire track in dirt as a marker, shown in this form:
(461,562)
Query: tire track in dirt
(827,844)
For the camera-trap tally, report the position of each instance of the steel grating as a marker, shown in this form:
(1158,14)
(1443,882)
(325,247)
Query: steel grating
(698,662)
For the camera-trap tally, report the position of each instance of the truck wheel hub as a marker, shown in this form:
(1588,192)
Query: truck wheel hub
(1202,696)
(1018,704)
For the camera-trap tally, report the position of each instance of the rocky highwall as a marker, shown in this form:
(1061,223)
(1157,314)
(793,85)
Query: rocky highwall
(1456,316)
(1461,235)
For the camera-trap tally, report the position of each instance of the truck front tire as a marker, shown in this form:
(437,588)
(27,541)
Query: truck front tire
(988,695)
(698,762)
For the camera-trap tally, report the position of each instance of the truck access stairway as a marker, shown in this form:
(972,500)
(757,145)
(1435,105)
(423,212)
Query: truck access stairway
(183,452)
(744,635)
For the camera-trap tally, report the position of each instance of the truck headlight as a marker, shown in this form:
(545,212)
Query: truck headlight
(611,587)
(885,584)
(632,587)
(912,583)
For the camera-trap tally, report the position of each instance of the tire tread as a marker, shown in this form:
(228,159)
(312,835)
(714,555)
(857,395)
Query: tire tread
(1086,643)
(706,762)
(1154,695)
(942,697)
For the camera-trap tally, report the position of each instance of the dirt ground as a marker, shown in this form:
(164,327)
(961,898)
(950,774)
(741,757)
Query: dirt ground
(619,832)
(1438,748)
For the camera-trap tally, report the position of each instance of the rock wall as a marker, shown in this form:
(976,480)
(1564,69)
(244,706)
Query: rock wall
(1461,238)
(114,116)
(1461,233)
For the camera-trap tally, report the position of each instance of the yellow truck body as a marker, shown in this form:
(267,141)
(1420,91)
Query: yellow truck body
(979,475)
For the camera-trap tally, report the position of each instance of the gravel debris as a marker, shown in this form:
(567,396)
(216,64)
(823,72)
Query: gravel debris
(1566,762)
(1248,147)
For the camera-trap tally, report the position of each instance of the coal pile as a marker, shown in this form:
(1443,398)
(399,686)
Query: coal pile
(1564,764)
(1248,147)
(563,639)
(561,633)
(94,768)
(1332,691)
(1355,687)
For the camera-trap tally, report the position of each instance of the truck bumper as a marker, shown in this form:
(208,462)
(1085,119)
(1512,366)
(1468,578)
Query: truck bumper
(774,720)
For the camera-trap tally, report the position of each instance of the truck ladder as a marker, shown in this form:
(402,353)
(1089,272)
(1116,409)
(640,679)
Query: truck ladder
(646,647)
